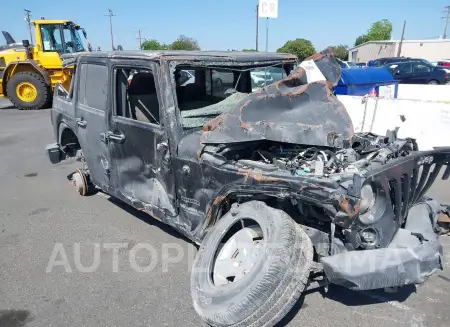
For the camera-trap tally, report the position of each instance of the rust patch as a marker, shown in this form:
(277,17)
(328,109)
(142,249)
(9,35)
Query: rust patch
(257,176)
(215,202)
(292,77)
(242,123)
(349,209)
(213,124)
(444,218)
(315,57)
(301,89)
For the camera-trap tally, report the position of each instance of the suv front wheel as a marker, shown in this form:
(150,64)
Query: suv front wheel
(251,267)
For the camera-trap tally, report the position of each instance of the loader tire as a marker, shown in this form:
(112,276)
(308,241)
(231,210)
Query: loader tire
(28,91)
(275,280)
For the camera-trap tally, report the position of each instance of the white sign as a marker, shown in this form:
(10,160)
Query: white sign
(268,8)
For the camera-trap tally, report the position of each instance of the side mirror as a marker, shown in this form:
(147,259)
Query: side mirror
(26,45)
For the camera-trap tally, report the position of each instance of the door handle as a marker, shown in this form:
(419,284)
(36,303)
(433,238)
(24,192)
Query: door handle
(119,138)
(81,122)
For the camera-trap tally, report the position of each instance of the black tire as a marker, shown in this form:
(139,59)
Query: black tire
(433,82)
(43,98)
(271,288)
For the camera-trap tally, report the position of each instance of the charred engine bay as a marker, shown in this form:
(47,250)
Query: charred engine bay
(363,152)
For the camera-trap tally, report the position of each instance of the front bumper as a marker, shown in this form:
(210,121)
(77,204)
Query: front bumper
(413,255)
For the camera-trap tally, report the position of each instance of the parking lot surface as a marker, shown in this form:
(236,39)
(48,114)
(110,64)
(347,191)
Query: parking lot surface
(50,236)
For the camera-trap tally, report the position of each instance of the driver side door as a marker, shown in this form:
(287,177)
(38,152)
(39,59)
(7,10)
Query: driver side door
(421,73)
(137,141)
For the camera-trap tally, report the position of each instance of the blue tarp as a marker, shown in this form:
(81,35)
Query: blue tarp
(360,81)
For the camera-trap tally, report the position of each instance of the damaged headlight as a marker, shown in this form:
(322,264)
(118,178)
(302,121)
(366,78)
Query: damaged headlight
(368,199)
(368,237)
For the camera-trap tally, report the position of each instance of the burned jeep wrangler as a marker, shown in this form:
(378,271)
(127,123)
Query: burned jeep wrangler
(270,180)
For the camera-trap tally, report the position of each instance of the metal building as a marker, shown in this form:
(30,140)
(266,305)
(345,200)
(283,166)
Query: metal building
(431,50)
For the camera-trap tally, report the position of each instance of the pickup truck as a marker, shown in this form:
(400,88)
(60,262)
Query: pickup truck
(274,185)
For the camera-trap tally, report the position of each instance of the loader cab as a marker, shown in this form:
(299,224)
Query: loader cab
(54,38)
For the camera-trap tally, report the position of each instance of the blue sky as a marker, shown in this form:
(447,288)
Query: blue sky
(230,24)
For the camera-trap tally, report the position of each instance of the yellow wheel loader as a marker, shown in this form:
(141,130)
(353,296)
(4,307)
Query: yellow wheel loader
(29,73)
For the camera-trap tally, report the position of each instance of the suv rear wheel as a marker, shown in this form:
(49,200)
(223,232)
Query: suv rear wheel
(251,267)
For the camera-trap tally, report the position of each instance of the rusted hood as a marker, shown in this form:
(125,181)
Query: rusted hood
(290,110)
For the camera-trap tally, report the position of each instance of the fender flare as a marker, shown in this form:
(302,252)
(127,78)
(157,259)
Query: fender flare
(62,126)
(31,63)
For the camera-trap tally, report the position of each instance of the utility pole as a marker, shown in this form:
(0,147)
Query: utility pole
(446,20)
(28,19)
(267,34)
(110,27)
(401,40)
(257,26)
(140,39)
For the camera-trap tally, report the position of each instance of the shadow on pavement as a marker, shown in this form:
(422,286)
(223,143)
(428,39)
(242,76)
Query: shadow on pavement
(354,298)
(7,107)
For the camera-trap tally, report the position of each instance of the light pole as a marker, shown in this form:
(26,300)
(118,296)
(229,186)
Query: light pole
(28,19)
(111,28)
(257,26)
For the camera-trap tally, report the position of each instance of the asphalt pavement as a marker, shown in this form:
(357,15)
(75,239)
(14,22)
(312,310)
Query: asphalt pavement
(50,236)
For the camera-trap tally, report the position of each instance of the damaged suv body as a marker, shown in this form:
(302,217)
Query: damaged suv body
(273,182)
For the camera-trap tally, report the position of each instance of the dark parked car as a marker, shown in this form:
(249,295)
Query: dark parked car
(274,184)
(415,72)
(383,61)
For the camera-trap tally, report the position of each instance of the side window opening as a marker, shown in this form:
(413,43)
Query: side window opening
(51,38)
(405,69)
(421,68)
(136,96)
(93,85)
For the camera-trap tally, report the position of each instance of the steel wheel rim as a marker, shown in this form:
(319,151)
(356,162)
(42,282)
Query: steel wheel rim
(238,256)
(26,92)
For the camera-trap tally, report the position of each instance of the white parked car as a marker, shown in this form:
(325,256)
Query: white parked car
(188,77)
(261,77)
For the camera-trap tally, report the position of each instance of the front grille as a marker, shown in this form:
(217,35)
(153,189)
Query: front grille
(408,179)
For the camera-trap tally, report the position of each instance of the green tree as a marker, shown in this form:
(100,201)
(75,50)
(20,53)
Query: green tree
(300,47)
(153,45)
(185,43)
(380,31)
(361,39)
(249,50)
(340,51)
